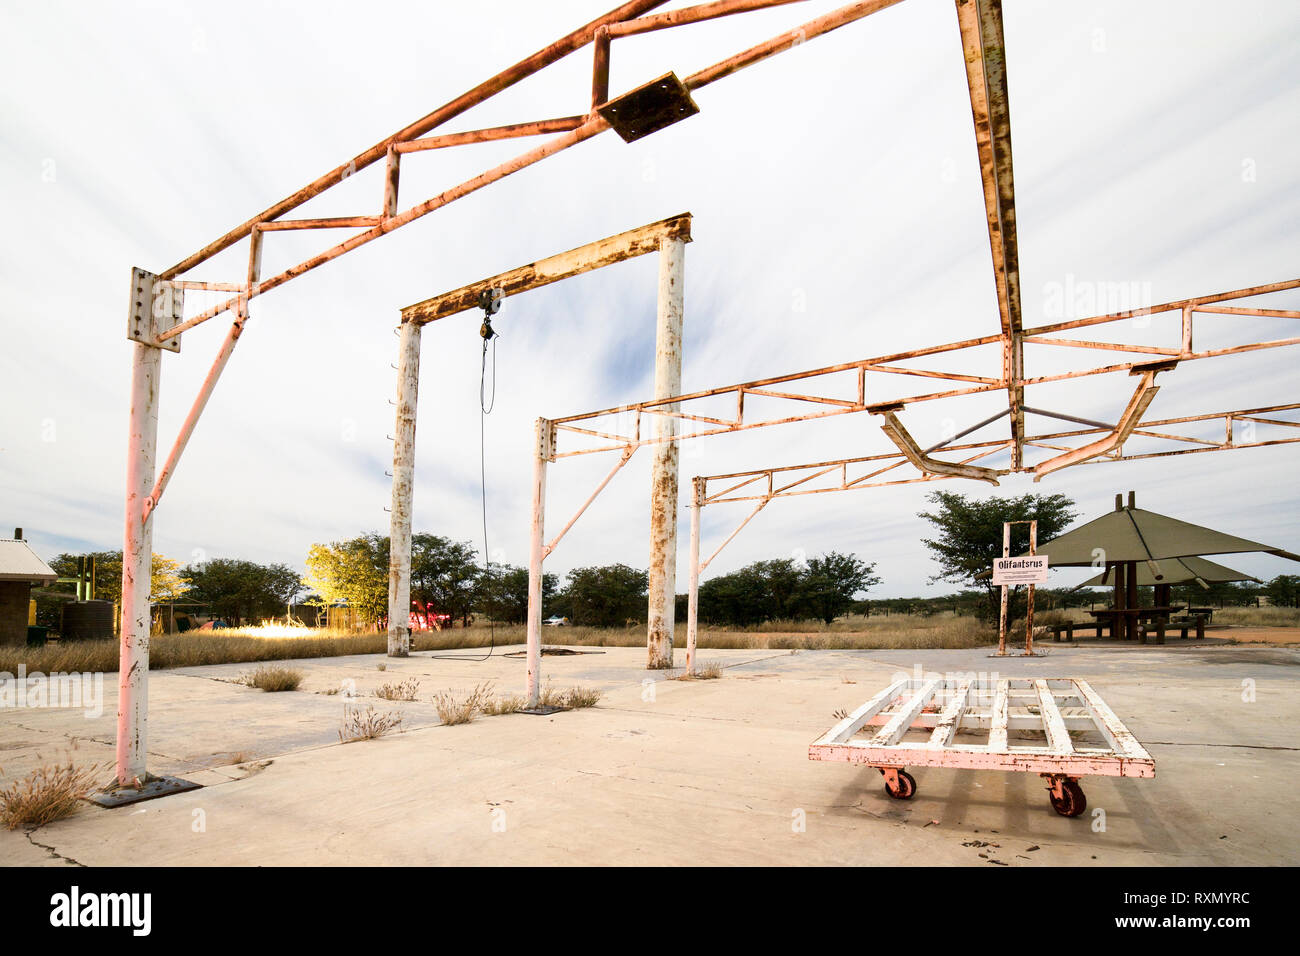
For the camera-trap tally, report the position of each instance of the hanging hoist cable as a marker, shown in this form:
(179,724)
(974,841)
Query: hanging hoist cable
(489,301)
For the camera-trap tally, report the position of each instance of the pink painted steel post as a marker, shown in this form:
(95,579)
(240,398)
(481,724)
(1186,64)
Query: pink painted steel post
(399,537)
(1002,615)
(137,566)
(663,476)
(543,451)
(693,588)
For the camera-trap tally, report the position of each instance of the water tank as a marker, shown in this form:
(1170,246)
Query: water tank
(87,621)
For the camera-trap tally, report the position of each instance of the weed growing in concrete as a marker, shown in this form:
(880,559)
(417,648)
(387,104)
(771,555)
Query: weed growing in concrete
(456,710)
(399,690)
(272,678)
(48,793)
(367,724)
(576,698)
(508,704)
(705,670)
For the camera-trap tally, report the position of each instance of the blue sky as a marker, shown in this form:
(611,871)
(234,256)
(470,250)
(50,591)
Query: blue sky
(1154,146)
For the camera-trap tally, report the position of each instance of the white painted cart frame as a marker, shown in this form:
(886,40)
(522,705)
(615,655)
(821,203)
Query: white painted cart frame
(946,705)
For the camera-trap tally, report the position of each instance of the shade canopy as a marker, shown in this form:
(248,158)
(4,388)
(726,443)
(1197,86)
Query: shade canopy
(1175,571)
(1132,534)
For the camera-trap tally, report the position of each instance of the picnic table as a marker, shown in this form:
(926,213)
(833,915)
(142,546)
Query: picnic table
(1119,621)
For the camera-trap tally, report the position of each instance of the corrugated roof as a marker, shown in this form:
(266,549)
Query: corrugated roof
(18,562)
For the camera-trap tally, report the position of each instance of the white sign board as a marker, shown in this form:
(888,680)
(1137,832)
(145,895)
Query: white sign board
(1031,569)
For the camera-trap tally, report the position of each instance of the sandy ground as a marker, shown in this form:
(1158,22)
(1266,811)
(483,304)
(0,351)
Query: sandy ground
(671,772)
(1259,635)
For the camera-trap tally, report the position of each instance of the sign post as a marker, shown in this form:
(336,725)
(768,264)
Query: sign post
(1008,571)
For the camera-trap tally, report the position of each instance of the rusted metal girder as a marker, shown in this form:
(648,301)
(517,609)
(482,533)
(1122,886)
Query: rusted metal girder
(585,258)
(410,139)
(986,75)
(619,427)
(1133,412)
(899,435)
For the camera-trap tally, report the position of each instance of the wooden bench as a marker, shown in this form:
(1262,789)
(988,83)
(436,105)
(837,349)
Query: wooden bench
(1180,624)
(1068,630)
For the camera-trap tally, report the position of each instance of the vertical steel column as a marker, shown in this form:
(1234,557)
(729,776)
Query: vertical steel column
(543,452)
(137,566)
(1002,615)
(663,477)
(399,537)
(1118,629)
(1029,607)
(693,588)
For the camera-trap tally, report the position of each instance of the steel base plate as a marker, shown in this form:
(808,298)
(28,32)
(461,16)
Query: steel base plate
(154,788)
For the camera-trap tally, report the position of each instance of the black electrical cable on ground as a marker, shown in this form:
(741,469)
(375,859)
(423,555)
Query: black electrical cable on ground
(484,410)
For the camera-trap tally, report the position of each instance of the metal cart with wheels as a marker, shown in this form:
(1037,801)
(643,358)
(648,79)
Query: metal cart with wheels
(1057,727)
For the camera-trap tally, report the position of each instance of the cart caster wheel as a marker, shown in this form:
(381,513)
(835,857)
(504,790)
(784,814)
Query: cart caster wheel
(902,787)
(1071,802)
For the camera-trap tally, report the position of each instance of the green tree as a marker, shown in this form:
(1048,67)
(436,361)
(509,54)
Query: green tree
(354,571)
(830,583)
(503,593)
(1284,590)
(167,582)
(444,574)
(608,596)
(243,591)
(970,537)
(738,599)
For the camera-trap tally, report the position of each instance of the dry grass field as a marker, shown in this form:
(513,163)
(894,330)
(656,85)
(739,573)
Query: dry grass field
(879,631)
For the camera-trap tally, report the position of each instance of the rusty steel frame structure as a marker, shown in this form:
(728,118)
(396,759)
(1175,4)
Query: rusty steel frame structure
(1094,442)
(157,320)
(668,238)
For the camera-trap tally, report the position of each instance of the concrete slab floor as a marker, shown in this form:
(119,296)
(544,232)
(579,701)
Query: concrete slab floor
(669,772)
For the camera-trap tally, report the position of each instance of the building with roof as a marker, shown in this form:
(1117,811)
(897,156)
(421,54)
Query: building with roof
(20,570)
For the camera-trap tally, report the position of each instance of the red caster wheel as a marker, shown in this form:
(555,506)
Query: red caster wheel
(1067,797)
(899,783)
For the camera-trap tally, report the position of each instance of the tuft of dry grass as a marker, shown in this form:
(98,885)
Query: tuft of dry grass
(272,678)
(367,724)
(704,670)
(48,793)
(576,698)
(509,704)
(457,710)
(399,690)
(572,698)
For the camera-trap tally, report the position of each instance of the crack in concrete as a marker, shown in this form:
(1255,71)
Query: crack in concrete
(1193,743)
(51,851)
